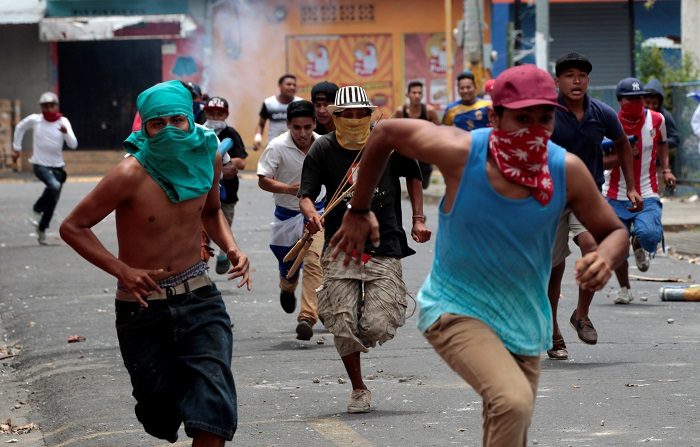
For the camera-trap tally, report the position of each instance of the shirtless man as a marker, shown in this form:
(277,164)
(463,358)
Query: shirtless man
(163,193)
(416,109)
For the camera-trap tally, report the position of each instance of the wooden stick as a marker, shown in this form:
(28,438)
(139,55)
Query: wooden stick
(295,249)
(300,257)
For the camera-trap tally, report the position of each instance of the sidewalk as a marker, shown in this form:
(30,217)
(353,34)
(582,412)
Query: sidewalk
(681,218)
(681,214)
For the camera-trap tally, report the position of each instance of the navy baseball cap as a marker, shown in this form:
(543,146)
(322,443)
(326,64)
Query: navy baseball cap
(630,87)
(572,60)
(324,91)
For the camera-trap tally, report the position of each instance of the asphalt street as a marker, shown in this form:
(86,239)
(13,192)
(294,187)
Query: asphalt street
(639,385)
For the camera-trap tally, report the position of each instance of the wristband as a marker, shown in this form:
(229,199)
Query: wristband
(353,210)
(666,170)
(419,217)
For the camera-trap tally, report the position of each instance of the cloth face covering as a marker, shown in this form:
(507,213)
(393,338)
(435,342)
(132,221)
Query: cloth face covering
(181,162)
(215,125)
(632,117)
(521,156)
(351,133)
(52,116)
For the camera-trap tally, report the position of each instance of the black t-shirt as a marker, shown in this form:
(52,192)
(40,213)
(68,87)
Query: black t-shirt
(321,129)
(326,164)
(237,151)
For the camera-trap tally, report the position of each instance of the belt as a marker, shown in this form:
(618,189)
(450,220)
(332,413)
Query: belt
(195,283)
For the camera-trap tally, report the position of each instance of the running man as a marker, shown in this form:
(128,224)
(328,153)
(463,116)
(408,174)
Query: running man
(363,305)
(468,112)
(322,95)
(279,172)
(51,131)
(168,311)
(645,226)
(274,109)
(484,305)
(580,128)
(416,109)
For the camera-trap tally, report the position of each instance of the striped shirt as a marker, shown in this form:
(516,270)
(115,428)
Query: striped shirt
(652,133)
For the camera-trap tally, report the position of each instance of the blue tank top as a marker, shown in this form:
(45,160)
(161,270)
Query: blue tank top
(493,256)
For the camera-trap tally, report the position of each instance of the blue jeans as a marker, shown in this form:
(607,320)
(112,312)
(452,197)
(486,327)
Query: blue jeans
(645,225)
(178,354)
(53,178)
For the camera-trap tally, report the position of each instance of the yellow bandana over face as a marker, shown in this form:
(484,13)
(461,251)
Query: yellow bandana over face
(351,133)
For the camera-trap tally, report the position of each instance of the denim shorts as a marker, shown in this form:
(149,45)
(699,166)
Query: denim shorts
(645,225)
(178,354)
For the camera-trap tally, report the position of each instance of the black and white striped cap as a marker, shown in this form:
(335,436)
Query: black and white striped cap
(350,97)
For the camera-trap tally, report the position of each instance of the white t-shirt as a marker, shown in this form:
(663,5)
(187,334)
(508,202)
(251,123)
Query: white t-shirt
(276,113)
(283,161)
(48,141)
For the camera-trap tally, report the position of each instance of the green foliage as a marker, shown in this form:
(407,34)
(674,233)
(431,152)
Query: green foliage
(650,64)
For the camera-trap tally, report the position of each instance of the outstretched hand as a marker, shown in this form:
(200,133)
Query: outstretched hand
(592,271)
(140,283)
(352,234)
(240,268)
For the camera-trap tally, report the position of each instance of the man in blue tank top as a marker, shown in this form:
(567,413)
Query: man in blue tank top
(484,305)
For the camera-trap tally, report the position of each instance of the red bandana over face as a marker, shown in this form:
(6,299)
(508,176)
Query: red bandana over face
(521,156)
(631,116)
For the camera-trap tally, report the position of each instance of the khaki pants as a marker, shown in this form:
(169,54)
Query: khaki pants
(506,382)
(311,278)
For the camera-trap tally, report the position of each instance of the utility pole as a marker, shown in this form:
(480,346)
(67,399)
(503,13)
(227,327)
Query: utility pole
(473,49)
(631,37)
(449,63)
(542,34)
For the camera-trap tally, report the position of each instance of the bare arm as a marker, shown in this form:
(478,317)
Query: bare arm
(445,147)
(217,227)
(433,115)
(398,113)
(230,169)
(624,153)
(308,209)
(76,228)
(257,139)
(270,184)
(419,232)
(595,268)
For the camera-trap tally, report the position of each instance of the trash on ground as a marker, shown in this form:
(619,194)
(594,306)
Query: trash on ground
(75,338)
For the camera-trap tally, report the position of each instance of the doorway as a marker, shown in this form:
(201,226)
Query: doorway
(99,82)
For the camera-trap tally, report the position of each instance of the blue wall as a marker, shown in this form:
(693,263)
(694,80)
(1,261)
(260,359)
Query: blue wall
(664,18)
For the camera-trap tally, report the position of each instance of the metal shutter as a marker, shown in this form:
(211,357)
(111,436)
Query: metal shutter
(597,30)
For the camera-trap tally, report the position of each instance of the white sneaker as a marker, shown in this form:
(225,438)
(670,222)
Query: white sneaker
(41,237)
(624,296)
(359,401)
(35,218)
(640,256)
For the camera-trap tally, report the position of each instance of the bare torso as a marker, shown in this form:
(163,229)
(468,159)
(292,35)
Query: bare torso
(153,232)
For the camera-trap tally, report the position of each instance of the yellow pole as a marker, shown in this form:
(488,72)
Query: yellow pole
(448,49)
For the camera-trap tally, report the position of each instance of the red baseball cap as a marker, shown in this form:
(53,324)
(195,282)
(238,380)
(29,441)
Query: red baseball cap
(524,86)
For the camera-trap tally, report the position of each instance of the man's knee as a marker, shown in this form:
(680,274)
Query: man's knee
(648,237)
(513,403)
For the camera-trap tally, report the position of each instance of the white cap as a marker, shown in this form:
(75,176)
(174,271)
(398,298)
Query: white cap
(48,98)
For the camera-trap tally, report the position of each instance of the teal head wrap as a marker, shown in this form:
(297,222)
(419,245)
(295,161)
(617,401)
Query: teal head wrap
(181,162)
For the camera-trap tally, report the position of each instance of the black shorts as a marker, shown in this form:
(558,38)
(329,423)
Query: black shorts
(178,354)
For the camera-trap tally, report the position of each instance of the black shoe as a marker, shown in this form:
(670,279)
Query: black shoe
(288,301)
(304,330)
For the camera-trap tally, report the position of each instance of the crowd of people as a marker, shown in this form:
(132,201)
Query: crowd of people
(529,149)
